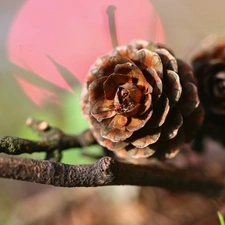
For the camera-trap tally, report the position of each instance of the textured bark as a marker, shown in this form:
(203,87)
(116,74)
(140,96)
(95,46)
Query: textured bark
(53,142)
(107,171)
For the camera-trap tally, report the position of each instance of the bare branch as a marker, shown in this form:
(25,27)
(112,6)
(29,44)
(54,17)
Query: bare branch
(58,174)
(53,140)
(103,172)
(107,171)
(62,140)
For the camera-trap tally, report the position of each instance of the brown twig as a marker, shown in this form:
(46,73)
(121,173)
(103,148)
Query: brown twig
(53,141)
(61,140)
(107,171)
(103,172)
(112,25)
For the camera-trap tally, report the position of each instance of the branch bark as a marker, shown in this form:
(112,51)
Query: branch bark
(103,172)
(53,142)
(107,171)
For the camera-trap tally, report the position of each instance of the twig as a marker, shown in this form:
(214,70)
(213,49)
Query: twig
(107,171)
(54,141)
(112,25)
(103,172)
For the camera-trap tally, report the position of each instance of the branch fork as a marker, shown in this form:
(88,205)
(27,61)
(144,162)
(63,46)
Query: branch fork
(105,171)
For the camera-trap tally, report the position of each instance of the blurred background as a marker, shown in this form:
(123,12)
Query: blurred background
(46,49)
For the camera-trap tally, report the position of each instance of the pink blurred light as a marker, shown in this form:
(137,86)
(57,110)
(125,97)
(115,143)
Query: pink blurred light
(75,33)
(37,95)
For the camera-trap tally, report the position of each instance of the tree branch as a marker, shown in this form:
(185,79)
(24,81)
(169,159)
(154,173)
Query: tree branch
(53,141)
(107,171)
(103,172)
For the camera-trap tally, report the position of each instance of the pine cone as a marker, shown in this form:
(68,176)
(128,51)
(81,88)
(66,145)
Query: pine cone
(208,63)
(142,100)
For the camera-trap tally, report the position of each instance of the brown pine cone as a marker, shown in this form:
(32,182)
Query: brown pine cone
(142,100)
(208,63)
(209,68)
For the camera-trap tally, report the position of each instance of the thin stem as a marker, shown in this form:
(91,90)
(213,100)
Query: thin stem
(112,25)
